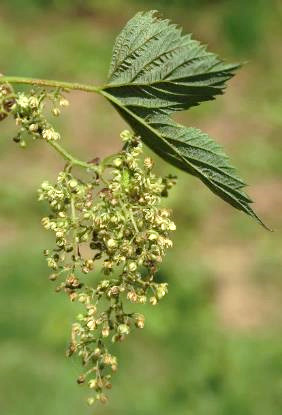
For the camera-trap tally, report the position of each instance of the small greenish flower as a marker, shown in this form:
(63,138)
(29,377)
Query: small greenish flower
(123,329)
(64,102)
(22,101)
(56,112)
(91,401)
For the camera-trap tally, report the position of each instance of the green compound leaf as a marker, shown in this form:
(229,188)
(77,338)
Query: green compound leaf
(155,71)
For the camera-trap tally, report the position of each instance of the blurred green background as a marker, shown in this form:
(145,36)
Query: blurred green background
(213,346)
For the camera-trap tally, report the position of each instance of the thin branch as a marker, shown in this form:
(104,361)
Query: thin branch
(73,161)
(49,83)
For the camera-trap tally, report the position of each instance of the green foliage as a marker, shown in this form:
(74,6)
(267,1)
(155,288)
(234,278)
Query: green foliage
(155,71)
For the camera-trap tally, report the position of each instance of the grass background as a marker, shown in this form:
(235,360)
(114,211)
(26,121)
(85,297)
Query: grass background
(213,347)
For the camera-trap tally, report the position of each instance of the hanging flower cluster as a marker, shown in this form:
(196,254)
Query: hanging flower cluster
(27,110)
(111,236)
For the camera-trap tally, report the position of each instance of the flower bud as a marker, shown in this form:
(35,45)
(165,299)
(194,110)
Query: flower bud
(152,236)
(89,264)
(91,310)
(73,296)
(81,379)
(103,399)
(126,136)
(117,162)
(82,298)
(33,128)
(33,102)
(92,383)
(73,183)
(132,266)
(148,163)
(113,291)
(105,283)
(153,301)
(105,331)
(142,299)
(161,290)
(53,277)
(111,243)
(109,359)
(132,296)
(114,367)
(56,112)
(64,102)
(91,324)
(140,321)
(23,143)
(97,352)
(123,329)
(91,401)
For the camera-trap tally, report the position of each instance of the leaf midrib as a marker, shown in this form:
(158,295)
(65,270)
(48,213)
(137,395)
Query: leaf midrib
(162,81)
